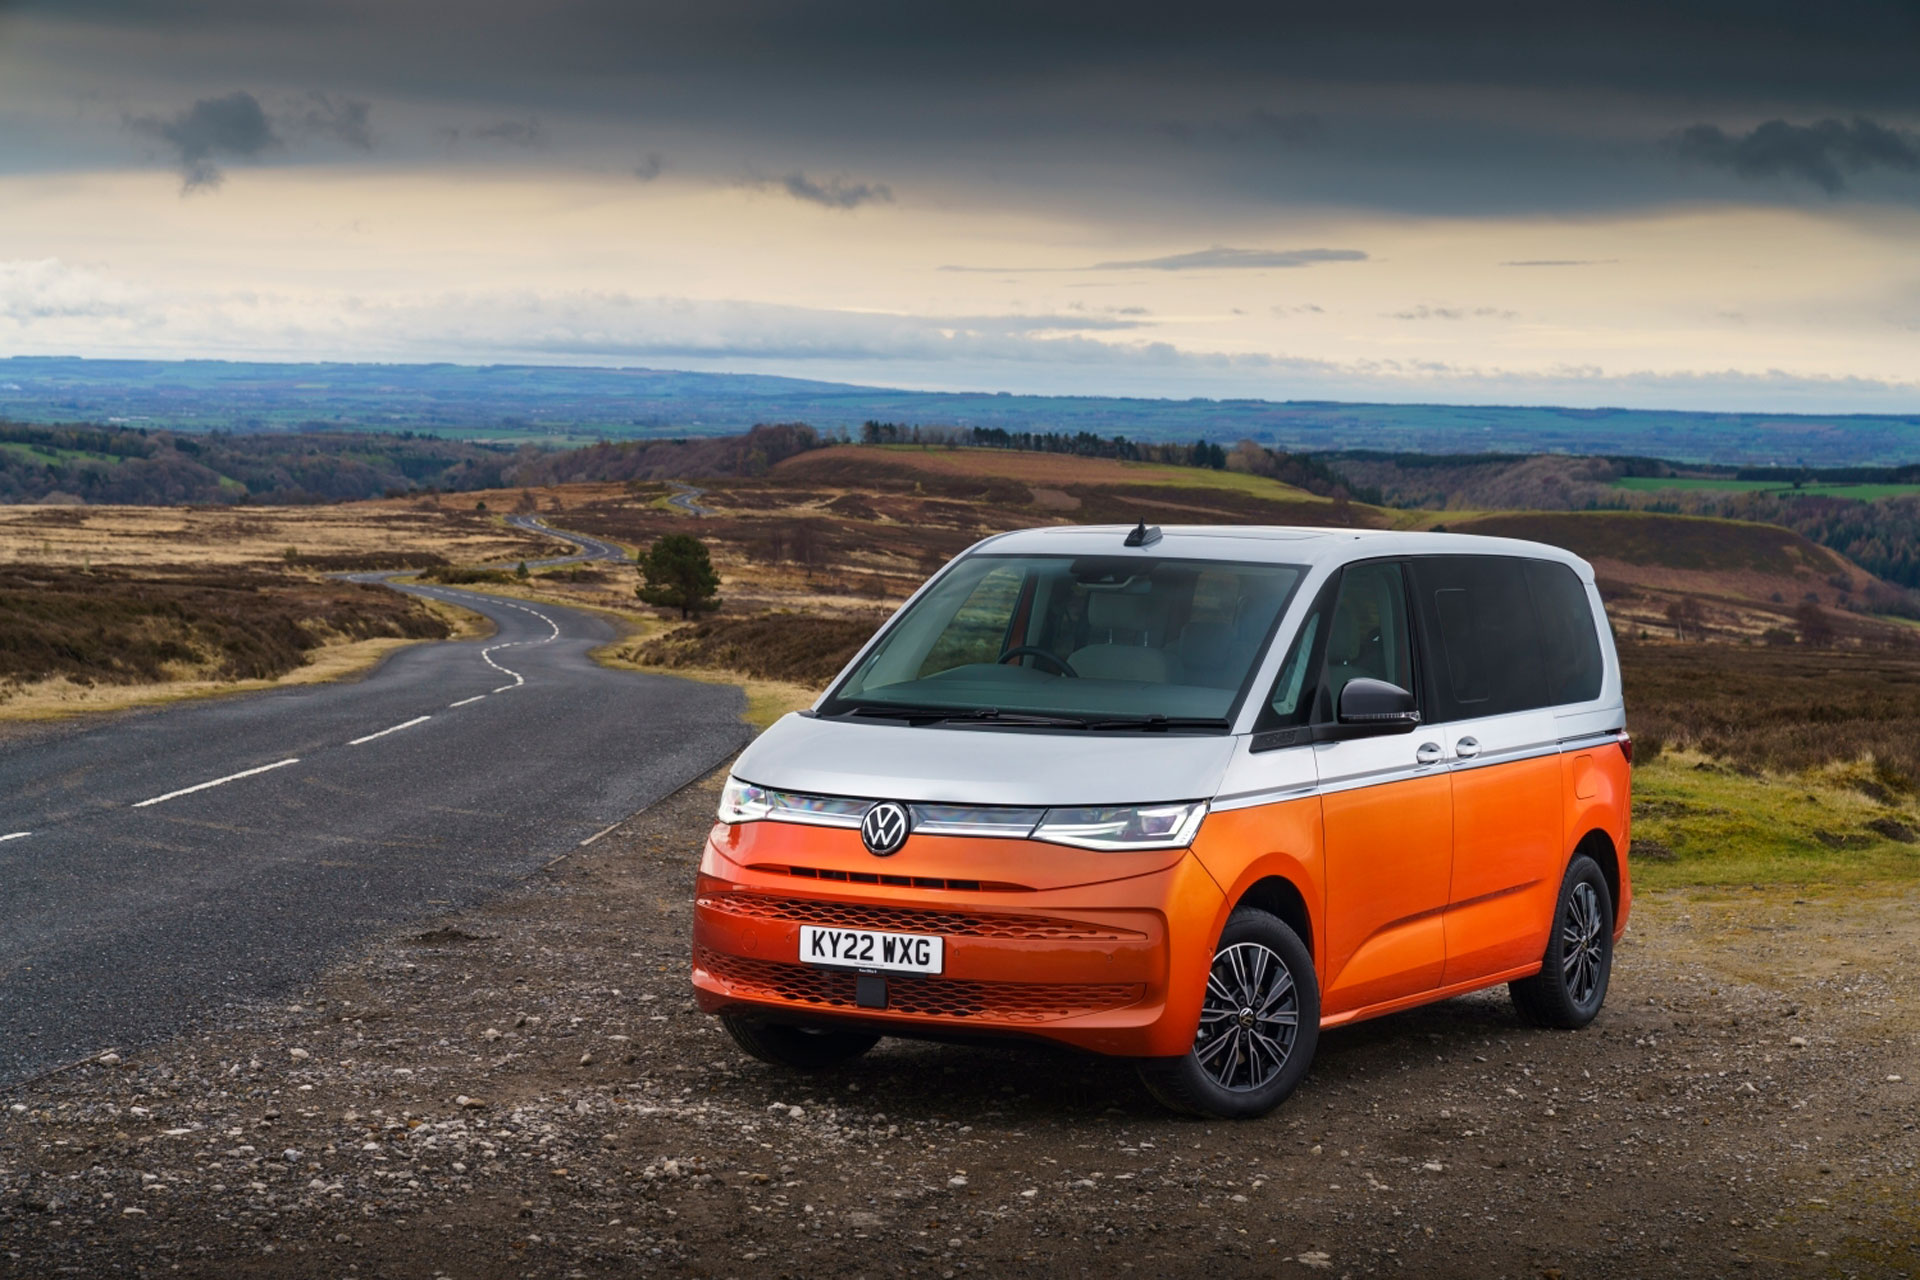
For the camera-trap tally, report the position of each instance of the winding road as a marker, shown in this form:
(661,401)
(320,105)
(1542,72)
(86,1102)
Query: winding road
(167,863)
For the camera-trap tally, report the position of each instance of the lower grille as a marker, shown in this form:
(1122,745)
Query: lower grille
(864,915)
(1026,1002)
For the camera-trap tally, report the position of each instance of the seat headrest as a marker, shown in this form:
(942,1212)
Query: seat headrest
(1120,611)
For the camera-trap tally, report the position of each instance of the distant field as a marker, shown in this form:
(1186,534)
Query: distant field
(521,403)
(1863,492)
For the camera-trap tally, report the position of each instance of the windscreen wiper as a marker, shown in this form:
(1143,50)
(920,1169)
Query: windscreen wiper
(980,715)
(1159,724)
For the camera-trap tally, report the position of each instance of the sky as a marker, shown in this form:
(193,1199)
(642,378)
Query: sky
(1701,204)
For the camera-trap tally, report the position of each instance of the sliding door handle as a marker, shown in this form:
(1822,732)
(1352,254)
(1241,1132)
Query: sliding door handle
(1427,753)
(1467,748)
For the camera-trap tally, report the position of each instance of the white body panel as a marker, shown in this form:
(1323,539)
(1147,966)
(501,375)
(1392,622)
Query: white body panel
(937,764)
(945,764)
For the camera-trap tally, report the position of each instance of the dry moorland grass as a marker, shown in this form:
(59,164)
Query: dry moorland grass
(366,533)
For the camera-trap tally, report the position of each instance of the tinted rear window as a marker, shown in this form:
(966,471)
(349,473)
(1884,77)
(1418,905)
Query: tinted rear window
(1567,633)
(1484,643)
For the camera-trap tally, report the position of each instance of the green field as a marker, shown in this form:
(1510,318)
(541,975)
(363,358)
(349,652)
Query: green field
(1863,492)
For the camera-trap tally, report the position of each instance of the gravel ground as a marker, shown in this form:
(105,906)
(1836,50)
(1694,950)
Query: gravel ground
(527,1090)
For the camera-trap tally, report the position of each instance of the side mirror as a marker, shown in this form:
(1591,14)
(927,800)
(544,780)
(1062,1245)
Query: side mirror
(1370,708)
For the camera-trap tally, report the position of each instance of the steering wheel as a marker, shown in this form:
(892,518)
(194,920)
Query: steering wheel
(1035,651)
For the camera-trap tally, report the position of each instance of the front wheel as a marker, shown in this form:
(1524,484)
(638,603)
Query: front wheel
(1259,1024)
(1572,982)
(801,1048)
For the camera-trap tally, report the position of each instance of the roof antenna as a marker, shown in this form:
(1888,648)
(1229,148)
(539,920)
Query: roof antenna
(1143,536)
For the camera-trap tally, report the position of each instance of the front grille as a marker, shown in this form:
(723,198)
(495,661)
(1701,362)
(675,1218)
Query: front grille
(1026,1002)
(857,915)
(895,881)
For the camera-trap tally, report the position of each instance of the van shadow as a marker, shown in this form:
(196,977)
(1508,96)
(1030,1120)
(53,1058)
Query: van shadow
(1032,1082)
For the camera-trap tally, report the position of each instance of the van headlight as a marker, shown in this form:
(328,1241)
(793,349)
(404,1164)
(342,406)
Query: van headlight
(744,802)
(1119,829)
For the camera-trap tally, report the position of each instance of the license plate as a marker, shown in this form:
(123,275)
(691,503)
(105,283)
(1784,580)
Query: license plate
(871,949)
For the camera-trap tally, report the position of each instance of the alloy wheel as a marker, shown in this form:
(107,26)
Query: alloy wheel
(1582,944)
(1249,1019)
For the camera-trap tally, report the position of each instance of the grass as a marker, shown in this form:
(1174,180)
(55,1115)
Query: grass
(1667,484)
(1700,821)
(112,627)
(1665,541)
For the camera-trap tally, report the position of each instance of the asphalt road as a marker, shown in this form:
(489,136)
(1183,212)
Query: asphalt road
(168,863)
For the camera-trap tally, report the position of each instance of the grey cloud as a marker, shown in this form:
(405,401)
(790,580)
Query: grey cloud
(1822,153)
(1425,312)
(524,132)
(833,193)
(649,167)
(347,120)
(212,129)
(1218,259)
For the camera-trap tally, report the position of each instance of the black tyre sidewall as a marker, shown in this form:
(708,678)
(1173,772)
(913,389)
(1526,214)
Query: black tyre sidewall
(1551,1002)
(796,1048)
(1181,1083)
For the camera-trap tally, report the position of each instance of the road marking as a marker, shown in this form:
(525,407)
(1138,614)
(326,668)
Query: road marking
(393,729)
(465,701)
(15,835)
(503,688)
(596,835)
(232,777)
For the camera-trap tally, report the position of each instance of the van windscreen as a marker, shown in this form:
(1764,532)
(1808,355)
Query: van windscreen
(1074,642)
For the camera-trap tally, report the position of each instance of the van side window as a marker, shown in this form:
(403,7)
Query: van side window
(1483,640)
(1567,632)
(1292,683)
(1366,636)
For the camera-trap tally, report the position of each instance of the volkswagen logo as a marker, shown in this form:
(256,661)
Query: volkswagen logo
(885,828)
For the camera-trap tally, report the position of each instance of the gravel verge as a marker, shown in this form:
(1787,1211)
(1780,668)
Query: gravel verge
(526,1089)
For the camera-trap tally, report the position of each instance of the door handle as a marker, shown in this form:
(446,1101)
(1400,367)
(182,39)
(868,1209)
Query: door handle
(1427,753)
(1467,748)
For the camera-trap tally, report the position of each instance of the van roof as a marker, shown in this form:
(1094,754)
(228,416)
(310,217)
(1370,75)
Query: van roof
(1274,544)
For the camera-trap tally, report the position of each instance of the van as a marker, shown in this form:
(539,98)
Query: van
(1188,796)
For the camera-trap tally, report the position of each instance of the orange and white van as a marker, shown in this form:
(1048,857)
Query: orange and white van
(1188,796)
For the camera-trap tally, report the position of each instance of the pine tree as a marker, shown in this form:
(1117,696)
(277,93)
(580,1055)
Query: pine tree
(679,575)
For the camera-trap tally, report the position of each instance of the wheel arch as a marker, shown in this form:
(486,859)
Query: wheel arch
(1598,845)
(1279,896)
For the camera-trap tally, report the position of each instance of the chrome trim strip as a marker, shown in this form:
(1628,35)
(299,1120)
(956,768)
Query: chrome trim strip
(1267,795)
(1582,741)
(1381,777)
(1511,755)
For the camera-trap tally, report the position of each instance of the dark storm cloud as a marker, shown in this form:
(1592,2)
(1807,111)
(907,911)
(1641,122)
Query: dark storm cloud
(1823,153)
(831,193)
(232,127)
(1471,107)
(347,120)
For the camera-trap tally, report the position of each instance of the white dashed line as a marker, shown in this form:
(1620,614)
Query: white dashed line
(391,729)
(15,835)
(232,777)
(503,688)
(466,701)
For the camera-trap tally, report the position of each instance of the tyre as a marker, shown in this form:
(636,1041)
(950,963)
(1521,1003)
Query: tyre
(1572,982)
(1259,1024)
(801,1048)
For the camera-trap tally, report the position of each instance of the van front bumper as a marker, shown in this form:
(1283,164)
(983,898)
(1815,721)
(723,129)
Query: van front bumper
(1106,952)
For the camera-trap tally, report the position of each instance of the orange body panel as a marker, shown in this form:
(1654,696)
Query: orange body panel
(1605,774)
(1126,984)
(1389,862)
(1415,890)
(1508,857)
